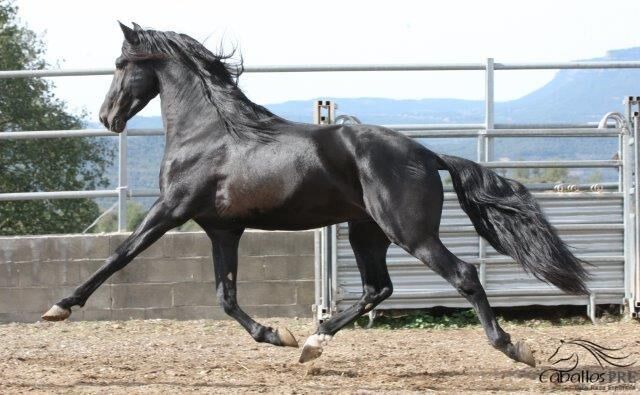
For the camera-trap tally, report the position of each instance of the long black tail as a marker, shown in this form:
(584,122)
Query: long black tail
(508,217)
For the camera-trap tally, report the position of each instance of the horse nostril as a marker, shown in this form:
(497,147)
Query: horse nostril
(103,114)
(103,120)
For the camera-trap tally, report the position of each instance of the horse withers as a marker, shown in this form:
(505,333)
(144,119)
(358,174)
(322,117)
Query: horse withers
(230,164)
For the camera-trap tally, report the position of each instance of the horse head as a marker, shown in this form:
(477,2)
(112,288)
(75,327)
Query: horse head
(134,84)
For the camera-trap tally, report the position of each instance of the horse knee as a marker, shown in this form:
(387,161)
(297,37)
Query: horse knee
(228,303)
(227,306)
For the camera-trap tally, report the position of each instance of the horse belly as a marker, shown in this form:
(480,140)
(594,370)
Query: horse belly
(270,208)
(302,219)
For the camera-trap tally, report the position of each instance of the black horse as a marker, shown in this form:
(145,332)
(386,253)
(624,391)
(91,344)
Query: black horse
(230,164)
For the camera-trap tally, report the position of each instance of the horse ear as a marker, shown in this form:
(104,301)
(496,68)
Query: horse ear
(129,34)
(136,27)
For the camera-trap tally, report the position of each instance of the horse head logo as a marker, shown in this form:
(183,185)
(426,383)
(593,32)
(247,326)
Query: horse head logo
(568,355)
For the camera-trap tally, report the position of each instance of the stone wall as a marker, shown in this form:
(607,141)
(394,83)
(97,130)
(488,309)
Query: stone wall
(172,279)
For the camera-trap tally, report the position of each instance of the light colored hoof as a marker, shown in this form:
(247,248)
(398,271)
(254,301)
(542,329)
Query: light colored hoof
(56,313)
(309,353)
(524,354)
(313,347)
(286,338)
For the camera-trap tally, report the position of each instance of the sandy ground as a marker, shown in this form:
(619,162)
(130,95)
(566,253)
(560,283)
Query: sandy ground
(162,356)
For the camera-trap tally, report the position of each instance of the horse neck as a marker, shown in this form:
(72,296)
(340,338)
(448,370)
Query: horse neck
(186,111)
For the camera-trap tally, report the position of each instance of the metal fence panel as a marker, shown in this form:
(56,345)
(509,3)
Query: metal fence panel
(592,226)
(591,223)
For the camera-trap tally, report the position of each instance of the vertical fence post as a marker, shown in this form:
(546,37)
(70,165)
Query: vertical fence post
(489,107)
(122,181)
(636,197)
(482,244)
(628,111)
(485,152)
(317,272)
(489,94)
(626,156)
(324,114)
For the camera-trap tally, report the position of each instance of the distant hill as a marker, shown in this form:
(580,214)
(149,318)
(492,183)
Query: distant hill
(577,95)
(572,96)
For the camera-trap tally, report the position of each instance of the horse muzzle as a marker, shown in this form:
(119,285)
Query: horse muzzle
(117,125)
(113,123)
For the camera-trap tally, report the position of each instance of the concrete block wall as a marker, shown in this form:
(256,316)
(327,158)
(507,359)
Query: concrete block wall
(172,279)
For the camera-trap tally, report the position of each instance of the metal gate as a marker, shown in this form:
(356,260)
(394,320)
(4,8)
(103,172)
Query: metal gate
(597,220)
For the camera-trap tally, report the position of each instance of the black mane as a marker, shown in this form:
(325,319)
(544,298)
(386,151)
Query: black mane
(218,74)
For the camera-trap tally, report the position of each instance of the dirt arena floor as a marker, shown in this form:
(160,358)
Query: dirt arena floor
(162,356)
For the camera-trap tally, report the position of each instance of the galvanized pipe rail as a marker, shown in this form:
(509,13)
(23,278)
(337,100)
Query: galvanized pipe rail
(355,68)
(416,131)
(54,134)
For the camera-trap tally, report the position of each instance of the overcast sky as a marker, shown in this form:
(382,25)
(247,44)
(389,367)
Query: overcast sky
(85,34)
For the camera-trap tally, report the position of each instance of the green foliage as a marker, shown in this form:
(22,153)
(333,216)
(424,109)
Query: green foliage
(443,318)
(423,320)
(41,165)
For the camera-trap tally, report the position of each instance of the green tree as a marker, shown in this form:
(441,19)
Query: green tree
(555,175)
(41,165)
(541,175)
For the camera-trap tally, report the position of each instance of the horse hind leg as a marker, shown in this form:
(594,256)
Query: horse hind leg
(408,209)
(370,246)
(464,278)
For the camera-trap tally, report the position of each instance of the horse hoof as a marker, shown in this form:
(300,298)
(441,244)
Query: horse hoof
(56,313)
(524,354)
(286,338)
(309,353)
(313,346)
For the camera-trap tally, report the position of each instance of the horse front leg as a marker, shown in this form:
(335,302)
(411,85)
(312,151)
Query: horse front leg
(157,222)
(225,260)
